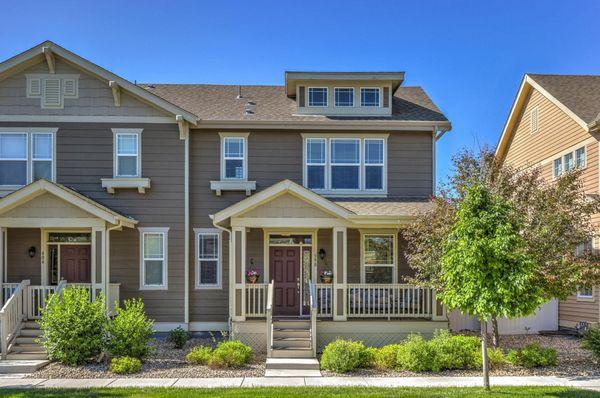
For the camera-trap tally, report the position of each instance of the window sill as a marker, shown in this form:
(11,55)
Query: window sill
(141,184)
(219,186)
(586,299)
(349,193)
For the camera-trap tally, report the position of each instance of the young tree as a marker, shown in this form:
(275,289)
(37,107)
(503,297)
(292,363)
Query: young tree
(485,269)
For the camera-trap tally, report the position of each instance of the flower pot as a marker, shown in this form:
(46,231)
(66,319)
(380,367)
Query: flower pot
(326,279)
(252,279)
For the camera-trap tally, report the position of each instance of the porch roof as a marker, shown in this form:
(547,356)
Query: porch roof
(69,195)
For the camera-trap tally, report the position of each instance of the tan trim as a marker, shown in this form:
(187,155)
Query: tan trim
(288,222)
(233,185)
(110,184)
(321,123)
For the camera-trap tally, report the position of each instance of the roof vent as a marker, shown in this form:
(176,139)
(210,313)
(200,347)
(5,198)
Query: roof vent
(249,108)
(239,96)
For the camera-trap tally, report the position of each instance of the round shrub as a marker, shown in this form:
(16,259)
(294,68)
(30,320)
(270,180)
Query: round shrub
(178,337)
(496,358)
(532,356)
(130,331)
(367,357)
(73,327)
(125,365)
(342,356)
(230,354)
(454,352)
(415,354)
(199,355)
(387,357)
(591,341)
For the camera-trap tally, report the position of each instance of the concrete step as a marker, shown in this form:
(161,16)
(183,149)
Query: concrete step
(27,355)
(291,325)
(293,363)
(289,342)
(295,352)
(26,340)
(28,348)
(30,333)
(31,325)
(291,333)
(21,366)
(292,373)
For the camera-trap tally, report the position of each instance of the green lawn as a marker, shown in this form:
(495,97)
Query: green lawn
(304,392)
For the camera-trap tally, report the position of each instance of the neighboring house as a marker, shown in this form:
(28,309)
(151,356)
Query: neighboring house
(553,124)
(172,192)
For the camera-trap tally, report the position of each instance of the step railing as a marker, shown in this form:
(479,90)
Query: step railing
(37,296)
(256,299)
(8,289)
(313,318)
(269,315)
(12,314)
(388,301)
(324,297)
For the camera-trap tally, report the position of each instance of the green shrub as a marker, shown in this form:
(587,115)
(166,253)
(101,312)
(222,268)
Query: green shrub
(496,358)
(178,337)
(533,356)
(125,365)
(230,354)
(367,357)
(416,354)
(387,356)
(591,341)
(342,356)
(73,327)
(454,352)
(130,331)
(199,355)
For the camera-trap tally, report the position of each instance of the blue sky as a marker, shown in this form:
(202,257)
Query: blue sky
(469,56)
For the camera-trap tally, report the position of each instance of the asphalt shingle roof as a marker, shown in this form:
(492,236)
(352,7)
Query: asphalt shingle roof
(392,206)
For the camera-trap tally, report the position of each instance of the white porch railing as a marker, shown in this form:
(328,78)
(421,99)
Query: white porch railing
(324,298)
(11,315)
(7,290)
(36,299)
(388,301)
(256,299)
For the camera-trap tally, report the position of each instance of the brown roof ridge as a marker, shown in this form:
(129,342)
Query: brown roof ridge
(211,84)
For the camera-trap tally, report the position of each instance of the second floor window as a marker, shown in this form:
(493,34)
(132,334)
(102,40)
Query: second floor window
(344,97)
(369,96)
(345,163)
(234,158)
(127,155)
(317,96)
(569,162)
(26,157)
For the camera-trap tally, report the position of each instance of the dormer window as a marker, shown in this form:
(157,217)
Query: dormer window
(344,96)
(317,96)
(369,96)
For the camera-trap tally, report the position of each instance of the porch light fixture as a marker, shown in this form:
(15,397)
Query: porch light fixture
(322,254)
(31,251)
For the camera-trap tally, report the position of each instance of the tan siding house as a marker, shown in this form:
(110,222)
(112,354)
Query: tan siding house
(553,120)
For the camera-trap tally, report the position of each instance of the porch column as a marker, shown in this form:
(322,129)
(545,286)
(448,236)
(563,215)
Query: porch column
(237,278)
(340,271)
(438,310)
(100,277)
(3,264)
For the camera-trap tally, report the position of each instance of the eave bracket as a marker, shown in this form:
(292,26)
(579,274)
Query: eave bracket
(47,51)
(116,92)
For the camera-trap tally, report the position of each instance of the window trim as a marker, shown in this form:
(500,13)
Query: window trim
(327,191)
(324,164)
(29,132)
(335,105)
(208,231)
(382,165)
(360,164)
(378,97)
(117,132)
(244,137)
(154,230)
(394,235)
(326,97)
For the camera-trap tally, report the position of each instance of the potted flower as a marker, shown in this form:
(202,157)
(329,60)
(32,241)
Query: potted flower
(326,276)
(252,276)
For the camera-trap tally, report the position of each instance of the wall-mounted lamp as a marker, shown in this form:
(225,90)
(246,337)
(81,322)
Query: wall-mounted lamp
(322,254)
(31,251)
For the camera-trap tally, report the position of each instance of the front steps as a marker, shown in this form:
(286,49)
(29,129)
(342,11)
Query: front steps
(292,367)
(292,353)
(25,353)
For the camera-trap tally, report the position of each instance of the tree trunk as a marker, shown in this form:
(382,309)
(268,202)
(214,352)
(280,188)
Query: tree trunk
(495,332)
(484,356)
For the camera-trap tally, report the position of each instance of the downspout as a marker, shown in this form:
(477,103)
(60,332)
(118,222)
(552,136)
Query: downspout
(229,233)
(186,250)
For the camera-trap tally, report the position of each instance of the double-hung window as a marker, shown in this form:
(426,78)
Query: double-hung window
(378,251)
(26,157)
(316,162)
(369,96)
(374,164)
(344,97)
(569,162)
(317,96)
(127,154)
(345,163)
(208,259)
(234,158)
(153,256)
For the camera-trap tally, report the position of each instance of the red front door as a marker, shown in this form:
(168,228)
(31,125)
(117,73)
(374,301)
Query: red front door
(284,268)
(75,264)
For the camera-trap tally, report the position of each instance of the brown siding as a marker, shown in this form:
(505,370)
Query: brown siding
(353,256)
(324,241)
(21,266)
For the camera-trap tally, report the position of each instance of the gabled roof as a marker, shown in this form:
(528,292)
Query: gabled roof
(36,54)
(69,195)
(291,77)
(576,95)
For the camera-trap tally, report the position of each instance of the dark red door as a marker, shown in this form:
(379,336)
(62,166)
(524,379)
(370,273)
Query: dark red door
(284,268)
(75,264)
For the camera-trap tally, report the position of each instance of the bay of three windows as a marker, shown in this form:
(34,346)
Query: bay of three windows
(343,97)
(569,162)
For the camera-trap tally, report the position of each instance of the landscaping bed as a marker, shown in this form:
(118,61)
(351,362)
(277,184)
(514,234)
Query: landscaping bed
(164,362)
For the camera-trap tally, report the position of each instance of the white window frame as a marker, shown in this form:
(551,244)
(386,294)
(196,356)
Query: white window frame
(562,159)
(359,165)
(378,97)
(585,297)
(364,164)
(164,231)
(335,104)
(363,235)
(125,132)
(30,132)
(533,120)
(326,97)
(244,137)
(208,231)
(361,191)
(324,164)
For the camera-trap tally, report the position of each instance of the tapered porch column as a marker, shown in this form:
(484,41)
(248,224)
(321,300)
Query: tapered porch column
(237,280)
(340,271)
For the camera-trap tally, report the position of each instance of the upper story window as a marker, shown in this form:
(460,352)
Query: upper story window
(378,258)
(234,160)
(369,96)
(317,96)
(533,119)
(345,166)
(344,96)
(26,157)
(52,89)
(569,162)
(127,155)
(153,258)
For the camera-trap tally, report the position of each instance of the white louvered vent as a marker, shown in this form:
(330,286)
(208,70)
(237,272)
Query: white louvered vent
(70,88)
(534,120)
(34,87)
(52,95)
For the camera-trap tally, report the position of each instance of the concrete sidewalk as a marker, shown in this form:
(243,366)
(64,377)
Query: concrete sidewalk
(587,383)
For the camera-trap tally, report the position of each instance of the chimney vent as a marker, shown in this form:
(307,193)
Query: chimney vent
(239,96)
